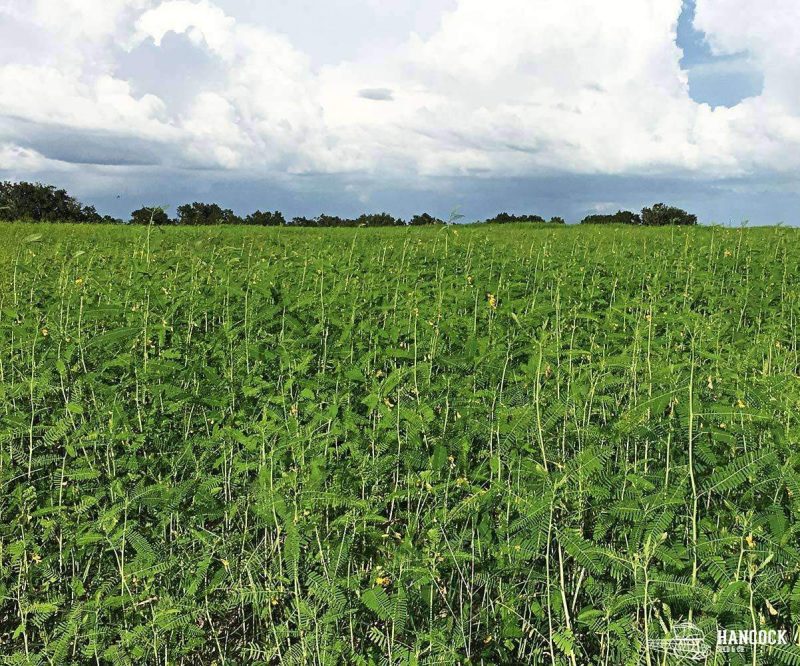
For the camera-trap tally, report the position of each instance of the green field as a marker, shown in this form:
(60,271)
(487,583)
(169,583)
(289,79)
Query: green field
(483,445)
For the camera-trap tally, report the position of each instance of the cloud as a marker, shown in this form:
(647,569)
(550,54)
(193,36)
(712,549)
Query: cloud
(47,95)
(202,21)
(377,94)
(513,89)
(767,32)
(263,114)
(21,160)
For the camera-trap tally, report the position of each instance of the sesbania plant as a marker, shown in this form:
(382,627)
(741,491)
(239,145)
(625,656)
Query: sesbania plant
(404,446)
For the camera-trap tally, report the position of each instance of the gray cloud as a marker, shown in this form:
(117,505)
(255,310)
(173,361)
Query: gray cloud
(176,71)
(377,94)
(260,108)
(85,146)
(105,150)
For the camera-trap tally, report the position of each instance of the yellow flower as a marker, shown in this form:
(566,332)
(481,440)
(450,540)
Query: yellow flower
(750,541)
(79,281)
(383,581)
(45,332)
(492,300)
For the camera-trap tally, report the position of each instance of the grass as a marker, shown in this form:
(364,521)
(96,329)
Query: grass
(493,445)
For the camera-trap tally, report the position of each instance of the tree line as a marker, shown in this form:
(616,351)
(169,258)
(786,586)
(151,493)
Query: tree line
(658,215)
(46,203)
(199,214)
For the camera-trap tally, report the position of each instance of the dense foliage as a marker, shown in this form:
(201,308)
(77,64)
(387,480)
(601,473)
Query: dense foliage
(662,215)
(620,217)
(479,445)
(424,219)
(203,214)
(44,203)
(507,218)
(266,219)
(365,220)
(155,216)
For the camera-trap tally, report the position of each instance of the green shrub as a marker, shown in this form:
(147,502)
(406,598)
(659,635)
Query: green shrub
(506,218)
(620,217)
(267,219)
(145,215)
(663,215)
(43,203)
(424,219)
(203,214)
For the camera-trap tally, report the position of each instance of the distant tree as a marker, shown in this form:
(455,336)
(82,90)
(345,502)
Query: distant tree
(366,220)
(599,219)
(419,220)
(620,217)
(303,222)
(267,219)
(333,221)
(145,215)
(199,214)
(506,218)
(42,203)
(662,215)
(89,214)
(321,220)
(378,220)
(557,220)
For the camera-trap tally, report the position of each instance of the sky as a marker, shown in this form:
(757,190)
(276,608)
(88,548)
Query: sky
(348,106)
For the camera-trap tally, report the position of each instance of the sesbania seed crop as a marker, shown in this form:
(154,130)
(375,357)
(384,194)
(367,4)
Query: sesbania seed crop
(484,445)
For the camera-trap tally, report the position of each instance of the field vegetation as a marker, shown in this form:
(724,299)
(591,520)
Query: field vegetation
(497,444)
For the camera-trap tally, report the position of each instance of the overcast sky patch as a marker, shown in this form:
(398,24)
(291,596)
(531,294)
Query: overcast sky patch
(234,92)
(377,94)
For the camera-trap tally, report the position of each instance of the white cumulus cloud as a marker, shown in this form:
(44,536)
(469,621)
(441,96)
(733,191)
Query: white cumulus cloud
(507,88)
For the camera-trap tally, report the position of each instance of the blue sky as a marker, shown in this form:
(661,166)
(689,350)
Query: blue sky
(407,105)
(716,80)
